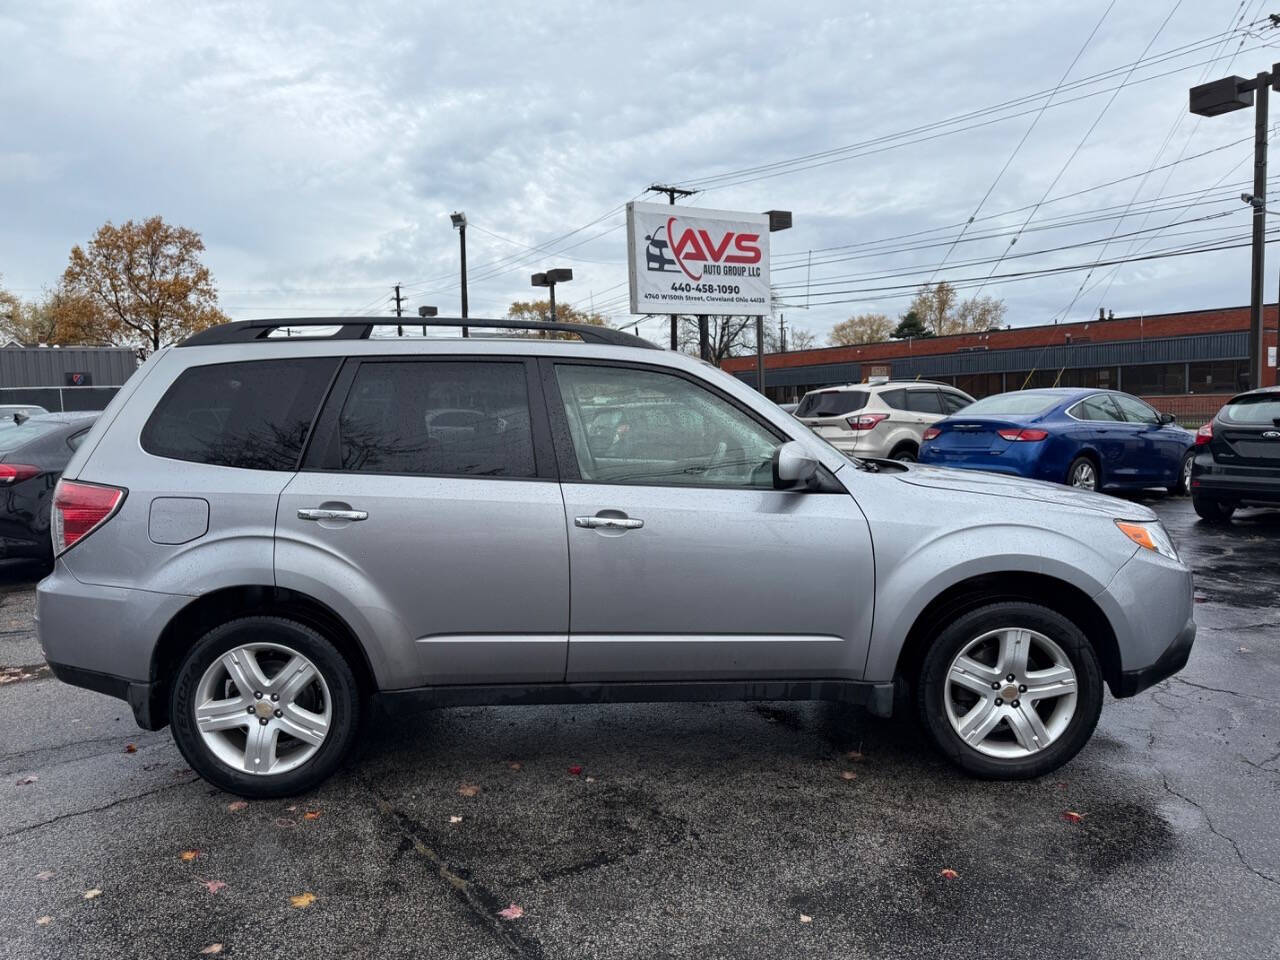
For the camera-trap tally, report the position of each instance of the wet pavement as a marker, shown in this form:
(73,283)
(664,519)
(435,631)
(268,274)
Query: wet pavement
(700,830)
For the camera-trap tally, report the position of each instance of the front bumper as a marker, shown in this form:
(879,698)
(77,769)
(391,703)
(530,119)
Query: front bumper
(1171,661)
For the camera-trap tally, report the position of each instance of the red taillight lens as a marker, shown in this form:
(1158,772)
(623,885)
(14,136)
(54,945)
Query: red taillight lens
(865,421)
(1204,434)
(14,472)
(931,433)
(1024,434)
(79,509)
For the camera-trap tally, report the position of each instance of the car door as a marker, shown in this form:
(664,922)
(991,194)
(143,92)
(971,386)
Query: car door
(685,563)
(1153,450)
(428,498)
(1100,427)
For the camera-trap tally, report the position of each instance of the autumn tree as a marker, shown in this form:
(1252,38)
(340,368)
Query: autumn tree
(29,322)
(863,328)
(539,311)
(139,284)
(942,312)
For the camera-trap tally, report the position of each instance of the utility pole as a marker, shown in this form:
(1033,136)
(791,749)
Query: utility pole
(782,333)
(672,193)
(704,338)
(399,310)
(459,221)
(760,353)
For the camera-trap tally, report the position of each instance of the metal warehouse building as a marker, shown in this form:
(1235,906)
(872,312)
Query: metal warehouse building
(64,378)
(1187,363)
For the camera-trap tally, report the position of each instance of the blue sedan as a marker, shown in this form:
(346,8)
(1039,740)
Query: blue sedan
(1095,439)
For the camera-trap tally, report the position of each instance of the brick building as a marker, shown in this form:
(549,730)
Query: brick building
(1184,363)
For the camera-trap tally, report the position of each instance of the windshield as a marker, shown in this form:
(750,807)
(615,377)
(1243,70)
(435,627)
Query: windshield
(831,403)
(1018,403)
(23,433)
(1259,408)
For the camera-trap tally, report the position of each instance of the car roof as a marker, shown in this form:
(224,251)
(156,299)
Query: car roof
(883,384)
(73,416)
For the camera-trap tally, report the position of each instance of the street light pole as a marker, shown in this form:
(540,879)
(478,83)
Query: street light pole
(460,221)
(549,280)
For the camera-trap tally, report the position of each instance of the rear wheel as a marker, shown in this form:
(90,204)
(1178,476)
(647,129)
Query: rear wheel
(1010,691)
(904,452)
(1184,474)
(1083,473)
(264,707)
(1215,511)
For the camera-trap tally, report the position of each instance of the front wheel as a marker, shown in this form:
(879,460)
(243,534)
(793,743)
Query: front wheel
(264,707)
(1010,691)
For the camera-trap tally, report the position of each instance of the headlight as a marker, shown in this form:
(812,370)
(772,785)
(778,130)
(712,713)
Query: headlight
(1149,536)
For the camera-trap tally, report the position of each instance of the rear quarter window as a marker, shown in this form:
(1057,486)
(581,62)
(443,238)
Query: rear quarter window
(253,414)
(834,403)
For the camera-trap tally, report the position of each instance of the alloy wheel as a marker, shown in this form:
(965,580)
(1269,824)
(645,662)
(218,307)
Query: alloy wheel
(263,708)
(1186,473)
(1010,693)
(1084,476)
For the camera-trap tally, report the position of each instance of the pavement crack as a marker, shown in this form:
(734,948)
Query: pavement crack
(482,904)
(1232,693)
(105,806)
(1217,833)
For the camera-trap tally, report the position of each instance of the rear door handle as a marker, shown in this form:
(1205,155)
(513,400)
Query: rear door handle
(608,523)
(324,513)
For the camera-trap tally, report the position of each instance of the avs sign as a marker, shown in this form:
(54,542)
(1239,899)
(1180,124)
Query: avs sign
(686,260)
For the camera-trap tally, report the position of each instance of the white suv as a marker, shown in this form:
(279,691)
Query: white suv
(885,419)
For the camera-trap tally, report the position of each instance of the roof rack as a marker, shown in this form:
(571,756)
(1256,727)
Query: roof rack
(359,328)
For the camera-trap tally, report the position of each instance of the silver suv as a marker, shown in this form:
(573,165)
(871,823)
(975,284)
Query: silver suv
(262,537)
(885,419)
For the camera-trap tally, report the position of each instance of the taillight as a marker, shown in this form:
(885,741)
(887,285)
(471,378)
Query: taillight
(1025,433)
(1204,434)
(79,509)
(14,472)
(865,421)
(931,433)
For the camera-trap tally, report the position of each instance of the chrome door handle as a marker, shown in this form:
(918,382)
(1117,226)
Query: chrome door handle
(323,513)
(608,523)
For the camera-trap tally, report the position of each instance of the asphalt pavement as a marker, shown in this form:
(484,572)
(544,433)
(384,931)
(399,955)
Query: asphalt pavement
(699,830)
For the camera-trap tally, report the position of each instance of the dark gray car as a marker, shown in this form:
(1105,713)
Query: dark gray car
(269,534)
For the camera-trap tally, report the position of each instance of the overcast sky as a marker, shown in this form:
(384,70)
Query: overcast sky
(319,147)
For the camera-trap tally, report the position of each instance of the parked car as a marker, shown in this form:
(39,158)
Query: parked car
(1237,459)
(886,419)
(252,551)
(788,407)
(1092,439)
(33,453)
(8,410)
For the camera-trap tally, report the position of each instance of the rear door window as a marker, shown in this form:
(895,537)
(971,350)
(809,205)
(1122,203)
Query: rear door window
(465,418)
(254,414)
(1099,407)
(924,401)
(833,403)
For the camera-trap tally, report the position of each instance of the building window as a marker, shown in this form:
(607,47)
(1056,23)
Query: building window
(1219,376)
(1154,379)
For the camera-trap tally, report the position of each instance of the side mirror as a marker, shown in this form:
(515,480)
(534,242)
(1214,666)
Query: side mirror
(793,466)
(1167,418)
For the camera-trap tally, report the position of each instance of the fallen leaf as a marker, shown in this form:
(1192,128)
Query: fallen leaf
(212,948)
(591,779)
(27,781)
(948,874)
(575,770)
(45,920)
(514,765)
(512,912)
(93,894)
(213,886)
(302,900)
(805,918)
(44,874)
(1071,816)
(468,790)
(236,806)
(311,815)
(1202,599)
(854,755)
(130,748)
(186,856)
(455,819)
(1241,649)
(284,823)
(848,775)
(291,808)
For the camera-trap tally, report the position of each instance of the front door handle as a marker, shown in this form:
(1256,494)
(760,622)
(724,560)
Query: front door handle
(324,513)
(608,523)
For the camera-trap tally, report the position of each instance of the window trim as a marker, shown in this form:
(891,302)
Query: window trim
(567,458)
(323,454)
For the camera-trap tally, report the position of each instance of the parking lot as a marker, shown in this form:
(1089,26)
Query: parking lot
(694,830)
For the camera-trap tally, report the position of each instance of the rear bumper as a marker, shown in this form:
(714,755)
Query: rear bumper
(1211,479)
(140,696)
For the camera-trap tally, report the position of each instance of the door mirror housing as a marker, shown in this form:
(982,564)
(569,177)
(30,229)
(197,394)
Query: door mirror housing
(1167,418)
(793,466)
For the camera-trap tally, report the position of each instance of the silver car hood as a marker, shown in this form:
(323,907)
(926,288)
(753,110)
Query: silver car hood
(1018,488)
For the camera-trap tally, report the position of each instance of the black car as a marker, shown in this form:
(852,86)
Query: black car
(33,453)
(1238,456)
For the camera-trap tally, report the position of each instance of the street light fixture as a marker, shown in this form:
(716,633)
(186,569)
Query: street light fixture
(549,280)
(1224,96)
(459,220)
(425,312)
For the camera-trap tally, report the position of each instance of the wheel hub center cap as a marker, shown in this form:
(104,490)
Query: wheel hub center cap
(263,709)
(1009,693)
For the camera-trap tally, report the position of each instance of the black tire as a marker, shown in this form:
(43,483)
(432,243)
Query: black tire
(1078,466)
(1181,486)
(1214,511)
(931,689)
(344,695)
(904,453)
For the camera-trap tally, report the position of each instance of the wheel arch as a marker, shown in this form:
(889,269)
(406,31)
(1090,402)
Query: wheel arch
(1090,454)
(212,609)
(1038,588)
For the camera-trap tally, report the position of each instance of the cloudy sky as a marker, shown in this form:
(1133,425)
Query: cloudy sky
(319,147)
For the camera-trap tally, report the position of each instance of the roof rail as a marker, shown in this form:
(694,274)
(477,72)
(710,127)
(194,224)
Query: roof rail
(359,328)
